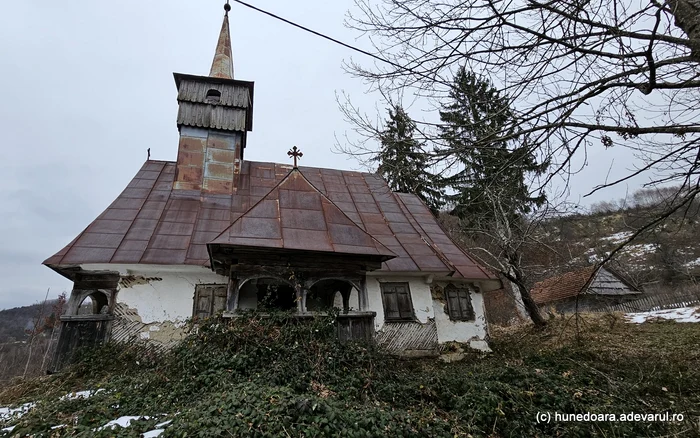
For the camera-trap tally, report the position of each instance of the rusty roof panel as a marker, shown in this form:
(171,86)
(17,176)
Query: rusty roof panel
(378,230)
(356,202)
(99,240)
(187,216)
(176,228)
(318,226)
(334,215)
(302,200)
(165,241)
(133,245)
(212,225)
(81,254)
(162,256)
(366,207)
(308,240)
(127,203)
(198,253)
(126,256)
(203,237)
(109,226)
(120,214)
(303,219)
(401,264)
(207,214)
(429,262)
(263,228)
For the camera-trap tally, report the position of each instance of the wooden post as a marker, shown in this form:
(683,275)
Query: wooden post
(362,294)
(232,293)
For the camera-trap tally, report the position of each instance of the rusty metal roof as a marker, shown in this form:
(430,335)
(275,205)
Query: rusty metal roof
(150,223)
(295,215)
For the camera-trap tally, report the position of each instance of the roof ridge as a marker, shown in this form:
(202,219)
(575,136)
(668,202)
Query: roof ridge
(378,246)
(323,195)
(423,234)
(262,198)
(155,182)
(457,245)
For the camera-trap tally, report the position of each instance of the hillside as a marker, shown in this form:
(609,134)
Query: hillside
(276,377)
(17,322)
(667,254)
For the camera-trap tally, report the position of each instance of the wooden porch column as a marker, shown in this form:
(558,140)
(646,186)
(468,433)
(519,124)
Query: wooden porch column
(232,293)
(362,295)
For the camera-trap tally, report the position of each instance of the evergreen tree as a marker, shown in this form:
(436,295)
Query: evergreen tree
(490,192)
(472,132)
(403,162)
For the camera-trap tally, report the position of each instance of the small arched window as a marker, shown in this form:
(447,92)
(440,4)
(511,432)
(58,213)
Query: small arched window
(213,96)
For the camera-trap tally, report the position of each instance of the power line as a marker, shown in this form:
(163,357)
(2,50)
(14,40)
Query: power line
(364,52)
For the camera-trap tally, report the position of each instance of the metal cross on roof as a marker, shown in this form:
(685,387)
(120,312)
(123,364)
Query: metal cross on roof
(296,153)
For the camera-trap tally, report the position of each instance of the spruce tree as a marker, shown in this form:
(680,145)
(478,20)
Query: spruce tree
(489,192)
(472,132)
(403,162)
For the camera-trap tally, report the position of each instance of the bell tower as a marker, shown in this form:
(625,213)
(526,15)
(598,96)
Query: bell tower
(214,116)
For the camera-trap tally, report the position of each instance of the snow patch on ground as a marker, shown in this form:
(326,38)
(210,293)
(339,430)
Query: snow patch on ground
(122,422)
(14,413)
(618,238)
(682,314)
(693,263)
(126,422)
(80,394)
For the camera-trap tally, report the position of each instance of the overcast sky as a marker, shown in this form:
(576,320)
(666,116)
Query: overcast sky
(87,87)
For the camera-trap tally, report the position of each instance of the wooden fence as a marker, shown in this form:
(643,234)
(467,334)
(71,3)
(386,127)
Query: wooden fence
(658,301)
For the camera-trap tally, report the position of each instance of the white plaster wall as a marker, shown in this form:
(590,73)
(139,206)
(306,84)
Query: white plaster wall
(420,296)
(169,299)
(461,331)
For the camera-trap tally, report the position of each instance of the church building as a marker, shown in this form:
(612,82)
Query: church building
(215,234)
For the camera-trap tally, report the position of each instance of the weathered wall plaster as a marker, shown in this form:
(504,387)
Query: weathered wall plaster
(472,332)
(420,296)
(159,298)
(170,299)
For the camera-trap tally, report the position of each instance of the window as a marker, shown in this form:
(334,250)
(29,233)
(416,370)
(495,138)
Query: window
(213,96)
(396,298)
(209,299)
(459,303)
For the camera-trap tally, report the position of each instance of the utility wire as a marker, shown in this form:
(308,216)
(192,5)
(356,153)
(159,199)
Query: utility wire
(364,52)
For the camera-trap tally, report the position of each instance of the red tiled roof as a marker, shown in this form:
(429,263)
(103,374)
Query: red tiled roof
(150,223)
(564,286)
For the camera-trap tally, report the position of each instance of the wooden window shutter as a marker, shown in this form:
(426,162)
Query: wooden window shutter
(459,303)
(396,298)
(202,304)
(209,299)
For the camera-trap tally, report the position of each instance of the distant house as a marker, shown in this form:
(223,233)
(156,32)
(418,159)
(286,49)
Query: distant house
(595,289)
(215,233)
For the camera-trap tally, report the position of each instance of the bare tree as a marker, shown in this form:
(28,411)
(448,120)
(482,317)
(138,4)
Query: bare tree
(502,242)
(580,73)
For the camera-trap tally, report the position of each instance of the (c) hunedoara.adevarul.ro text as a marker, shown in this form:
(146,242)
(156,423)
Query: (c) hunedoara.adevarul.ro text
(548,417)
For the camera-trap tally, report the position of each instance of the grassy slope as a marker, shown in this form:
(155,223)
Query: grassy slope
(284,379)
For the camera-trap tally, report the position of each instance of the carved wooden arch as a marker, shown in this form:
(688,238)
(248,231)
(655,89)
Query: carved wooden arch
(235,285)
(345,294)
(102,298)
(352,283)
